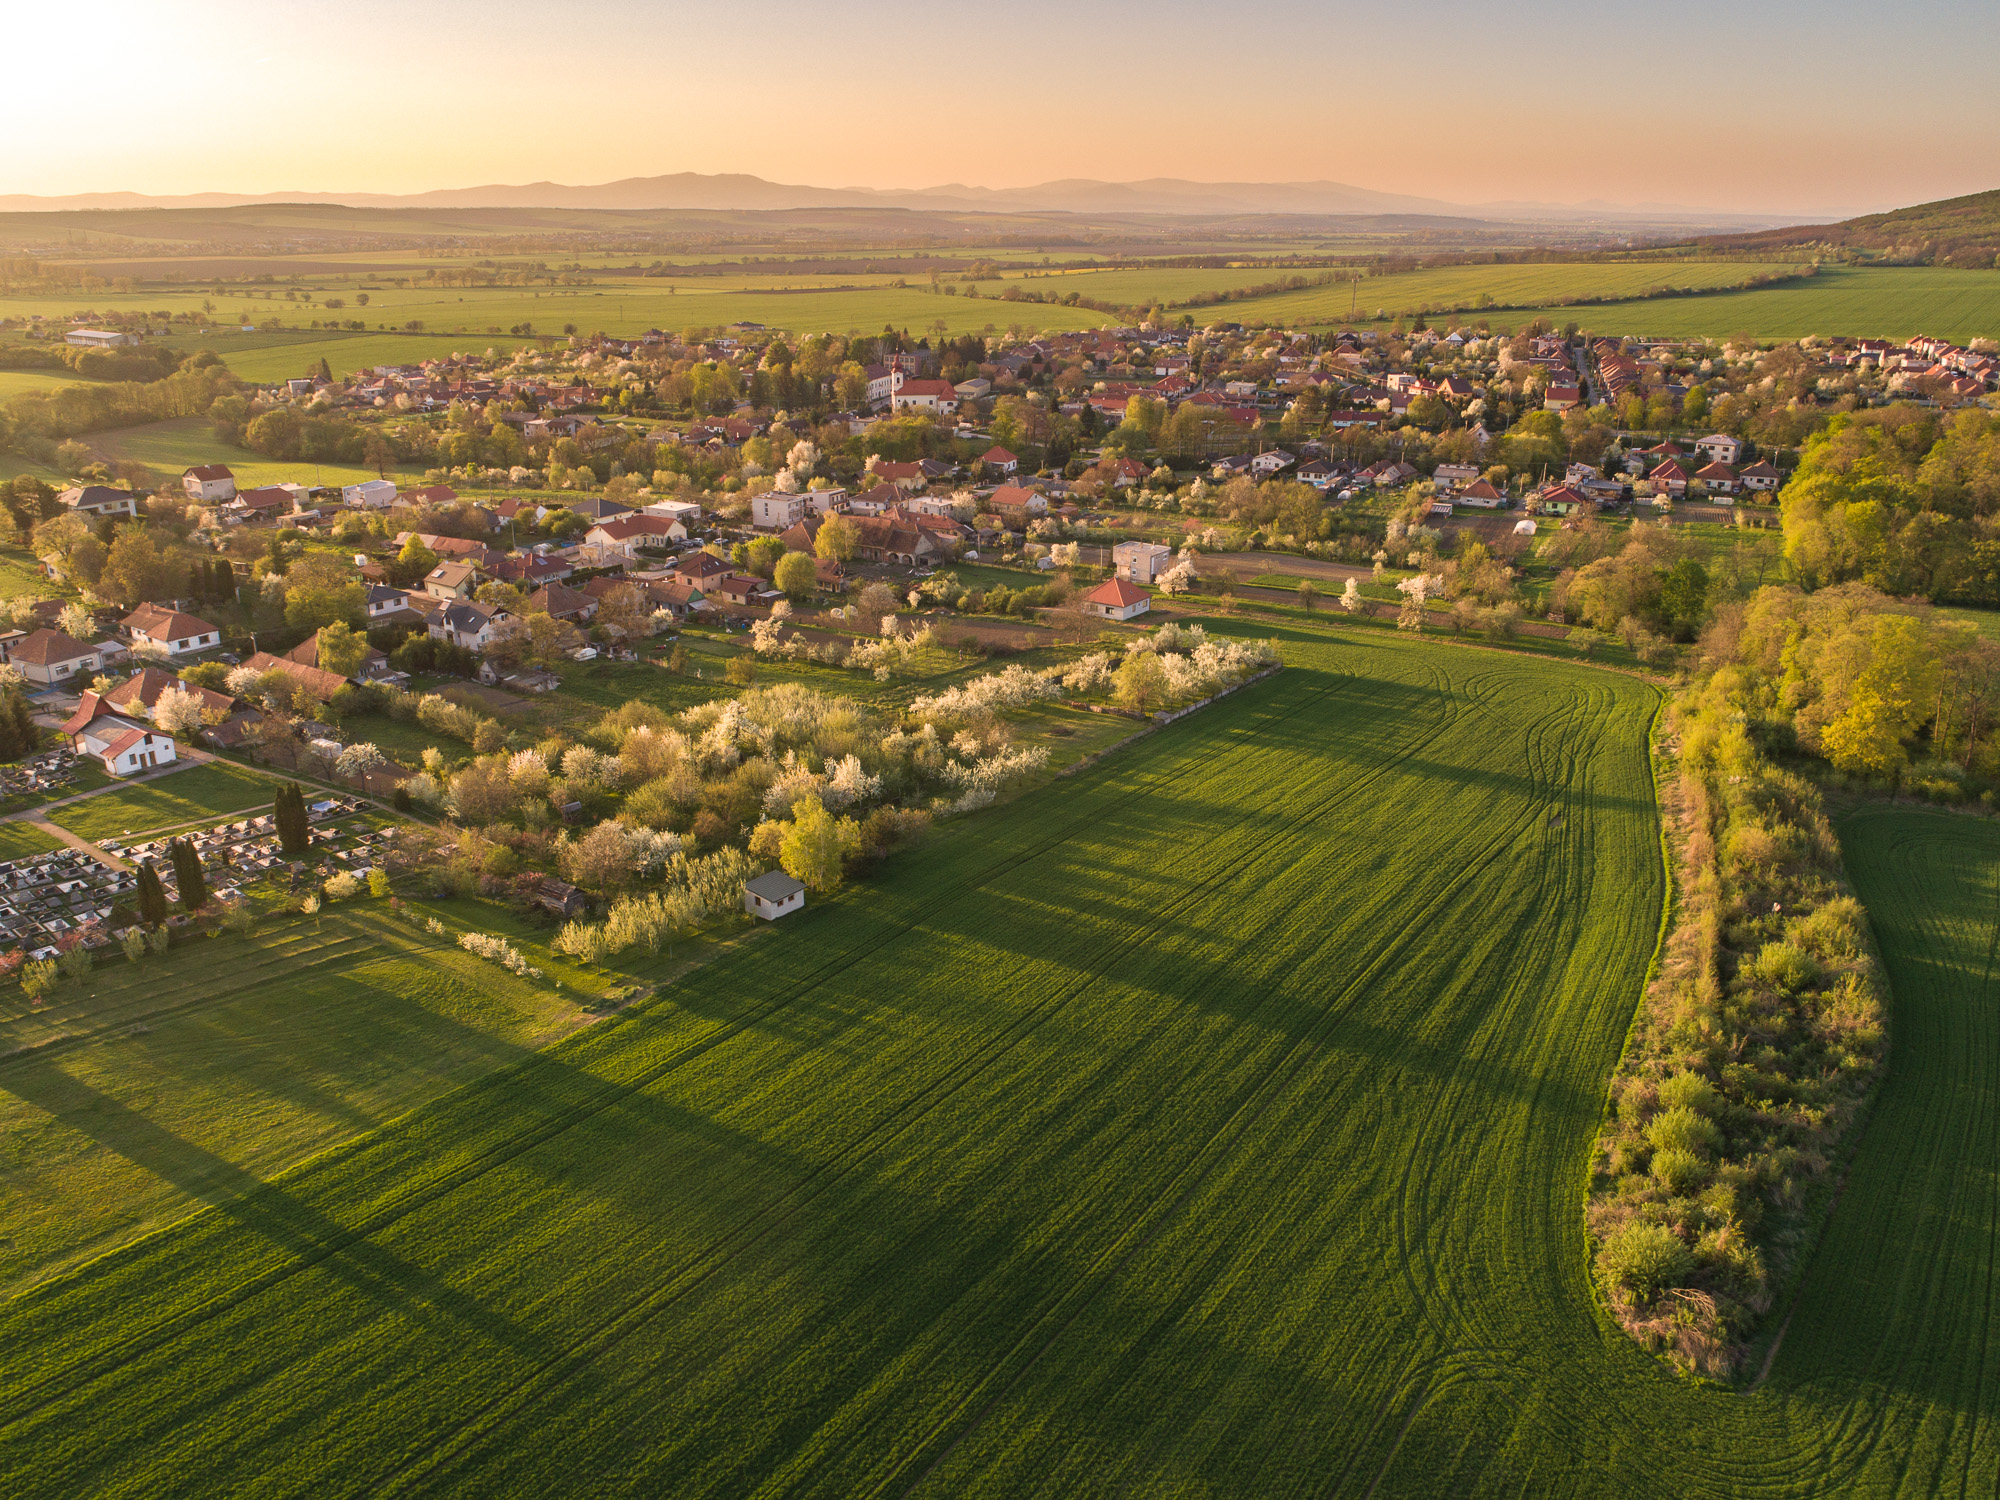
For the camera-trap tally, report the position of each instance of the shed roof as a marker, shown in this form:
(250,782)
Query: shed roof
(774,885)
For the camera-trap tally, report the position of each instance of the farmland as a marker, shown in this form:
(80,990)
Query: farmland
(1880,301)
(188,1079)
(1216,1127)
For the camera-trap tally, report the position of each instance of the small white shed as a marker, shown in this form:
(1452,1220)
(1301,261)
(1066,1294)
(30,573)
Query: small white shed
(772,895)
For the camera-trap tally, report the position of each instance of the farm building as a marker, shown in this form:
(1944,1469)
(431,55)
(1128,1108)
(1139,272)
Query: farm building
(1115,599)
(772,895)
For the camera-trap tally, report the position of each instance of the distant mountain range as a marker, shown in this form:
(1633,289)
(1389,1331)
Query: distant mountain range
(739,191)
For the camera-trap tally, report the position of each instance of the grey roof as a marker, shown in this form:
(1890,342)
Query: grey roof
(774,885)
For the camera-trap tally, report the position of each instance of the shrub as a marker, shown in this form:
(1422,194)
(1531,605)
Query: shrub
(1785,966)
(1680,1172)
(133,941)
(343,885)
(1642,1259)
(1690,1091)
(38,978)
(1682,1129)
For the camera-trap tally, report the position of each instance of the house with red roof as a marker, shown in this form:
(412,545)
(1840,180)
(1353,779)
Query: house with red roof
(1115,599)
(49,656)
(177,633)
(997,460)
(209,483)
(1670,478)
(1719,478)
(123,746)
(1760,477)
(139,694)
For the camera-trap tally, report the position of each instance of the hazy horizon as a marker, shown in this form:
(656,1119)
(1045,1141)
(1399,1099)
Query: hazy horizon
(1795,110)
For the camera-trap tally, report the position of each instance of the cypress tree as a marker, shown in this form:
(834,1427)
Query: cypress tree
(289,812)
(152,896)
(187,873)
(26,730)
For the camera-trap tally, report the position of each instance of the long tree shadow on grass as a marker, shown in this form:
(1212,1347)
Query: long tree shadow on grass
(290,1224)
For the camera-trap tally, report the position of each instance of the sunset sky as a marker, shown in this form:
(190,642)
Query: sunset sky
(1772,106)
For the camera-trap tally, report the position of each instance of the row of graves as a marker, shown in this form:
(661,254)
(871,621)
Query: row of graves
(45,898)
(235,854)
(49,901)
(50,772)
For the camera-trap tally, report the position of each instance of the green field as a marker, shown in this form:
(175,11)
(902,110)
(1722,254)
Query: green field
(1195,1130)
(171,446)
(1895,302)
(156,1088)
(19,382)
(182,796)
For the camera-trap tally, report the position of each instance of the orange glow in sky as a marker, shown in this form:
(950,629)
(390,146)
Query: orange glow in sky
(1780,107)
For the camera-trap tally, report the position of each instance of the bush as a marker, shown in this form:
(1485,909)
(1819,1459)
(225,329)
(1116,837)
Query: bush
(1682,1129)
(1691,1091)
(1680,1172)
(1642,1259)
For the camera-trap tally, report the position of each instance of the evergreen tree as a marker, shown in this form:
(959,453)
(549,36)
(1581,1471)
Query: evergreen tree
(152,896)
(288,811)
(187,873)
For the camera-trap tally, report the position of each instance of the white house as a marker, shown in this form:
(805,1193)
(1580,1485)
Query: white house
(1719,448)
(181,634)
(775,510)
(467,624)
(773,894)
(386,599)
(1760,476)
(1270,462)
(1141,562)
(99,500)
(370,494)
(209,483)
(1115,599)
(49,656)
(123,746)
(684,511)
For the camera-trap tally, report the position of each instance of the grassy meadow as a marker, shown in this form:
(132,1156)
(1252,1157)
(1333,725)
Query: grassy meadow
(182,442)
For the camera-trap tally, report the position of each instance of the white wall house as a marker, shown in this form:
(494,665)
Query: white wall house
(181,634)
(1141,562)
(370,494)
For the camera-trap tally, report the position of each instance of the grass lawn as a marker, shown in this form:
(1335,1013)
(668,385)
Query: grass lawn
(160,1087)
(21,574)
(169,447)
(19,839)
(179,797)
(401,741)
